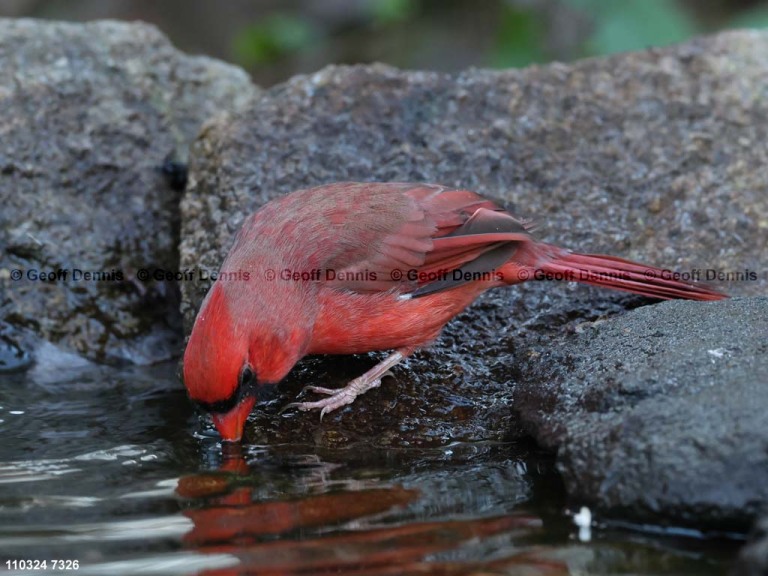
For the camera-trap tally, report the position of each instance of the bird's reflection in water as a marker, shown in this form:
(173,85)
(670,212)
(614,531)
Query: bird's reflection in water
(358,527)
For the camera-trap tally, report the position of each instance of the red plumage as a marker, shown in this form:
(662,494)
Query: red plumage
(355,267)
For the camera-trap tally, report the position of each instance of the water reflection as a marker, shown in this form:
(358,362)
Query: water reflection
(364,527)
(109,467)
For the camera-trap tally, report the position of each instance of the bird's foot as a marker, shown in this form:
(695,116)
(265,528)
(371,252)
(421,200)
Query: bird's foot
(337,397)
(343,396)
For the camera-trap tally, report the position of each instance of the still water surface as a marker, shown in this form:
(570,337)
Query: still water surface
(113,469)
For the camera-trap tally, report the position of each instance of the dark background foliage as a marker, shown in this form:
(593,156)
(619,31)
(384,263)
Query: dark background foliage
(275,39)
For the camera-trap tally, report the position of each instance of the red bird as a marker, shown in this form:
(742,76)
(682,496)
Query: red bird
(351,267)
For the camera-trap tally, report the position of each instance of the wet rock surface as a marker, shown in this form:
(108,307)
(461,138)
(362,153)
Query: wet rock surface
(659,413)
(89,115)
(753,560)
(656,156)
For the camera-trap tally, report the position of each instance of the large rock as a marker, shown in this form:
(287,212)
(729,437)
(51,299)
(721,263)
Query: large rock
(753,559)
(659,413)
(657,156)
(88,115)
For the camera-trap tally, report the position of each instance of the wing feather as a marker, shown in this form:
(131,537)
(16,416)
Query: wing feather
(424,229)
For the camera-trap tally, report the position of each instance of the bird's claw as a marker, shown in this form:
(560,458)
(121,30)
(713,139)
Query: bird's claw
(324,406)
(337,397)
(319,390)
(286,408)
(304,406)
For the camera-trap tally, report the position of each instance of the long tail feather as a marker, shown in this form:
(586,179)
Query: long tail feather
(620,274)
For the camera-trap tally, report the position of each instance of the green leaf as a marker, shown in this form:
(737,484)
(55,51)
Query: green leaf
(621,26)
(393,11)
(519,38)
(267,41)
(755,18)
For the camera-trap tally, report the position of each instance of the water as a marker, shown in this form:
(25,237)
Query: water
(113,470)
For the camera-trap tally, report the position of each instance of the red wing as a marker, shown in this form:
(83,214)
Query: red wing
(432,231)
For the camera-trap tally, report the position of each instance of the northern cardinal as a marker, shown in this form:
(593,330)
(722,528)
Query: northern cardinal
(349,267)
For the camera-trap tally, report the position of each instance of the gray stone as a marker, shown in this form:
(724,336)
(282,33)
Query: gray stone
(88,115)
(659,413)
(657,156)
(753,558)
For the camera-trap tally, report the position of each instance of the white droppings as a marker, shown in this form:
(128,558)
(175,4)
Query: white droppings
(584,521)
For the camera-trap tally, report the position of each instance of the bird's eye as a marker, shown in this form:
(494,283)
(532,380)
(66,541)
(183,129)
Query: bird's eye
(247,376)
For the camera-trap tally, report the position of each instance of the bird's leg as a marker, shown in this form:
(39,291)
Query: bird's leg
(338,397)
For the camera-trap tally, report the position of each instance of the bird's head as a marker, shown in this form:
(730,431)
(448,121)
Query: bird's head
(230,357)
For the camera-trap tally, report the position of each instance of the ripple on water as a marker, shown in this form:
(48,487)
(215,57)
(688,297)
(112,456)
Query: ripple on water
(104,466)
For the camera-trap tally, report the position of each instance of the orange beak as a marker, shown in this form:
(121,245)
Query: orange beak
(231,424)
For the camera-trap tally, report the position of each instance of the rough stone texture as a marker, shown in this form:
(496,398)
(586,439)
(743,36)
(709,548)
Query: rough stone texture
(659,413)
(753,559)
(657,156)
(88,114)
